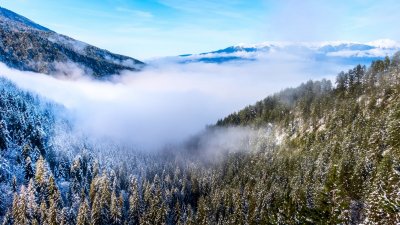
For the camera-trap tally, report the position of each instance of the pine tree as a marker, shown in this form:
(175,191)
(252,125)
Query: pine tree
(394,128)
(147,195)
(384,200)
(64,217)
(43,212)
(20,208)
(158,209)
(342,82)
(240,214)
(105,199)
(28,169)
(96,215)
(177,213)
(14,184)
(121,207)
(34,222)
(190,218)
(4,135)
(23,206)
(41,179)
(83,214)
(93,190)
(54,194)
(202,212)
(116,209)
(52,213)
(32,206)
(15,207)
(134,209)
(26,151)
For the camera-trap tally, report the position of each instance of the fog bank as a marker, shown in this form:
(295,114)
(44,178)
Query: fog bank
(168,102)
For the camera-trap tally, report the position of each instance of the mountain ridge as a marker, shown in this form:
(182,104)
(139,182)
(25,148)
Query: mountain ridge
(10,15)
(354,52)
(25,45)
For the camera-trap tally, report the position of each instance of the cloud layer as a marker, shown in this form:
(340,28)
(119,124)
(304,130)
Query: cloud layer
(168,102)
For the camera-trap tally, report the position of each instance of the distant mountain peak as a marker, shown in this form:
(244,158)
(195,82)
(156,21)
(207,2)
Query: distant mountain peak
(346,51)
(380,43)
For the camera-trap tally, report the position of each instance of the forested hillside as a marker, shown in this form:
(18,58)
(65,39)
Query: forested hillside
(318,154)
(339,158)
(25,45)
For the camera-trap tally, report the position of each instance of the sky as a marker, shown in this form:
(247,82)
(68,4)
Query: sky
(154,28)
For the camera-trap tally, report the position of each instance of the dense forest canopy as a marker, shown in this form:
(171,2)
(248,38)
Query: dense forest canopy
(317,154)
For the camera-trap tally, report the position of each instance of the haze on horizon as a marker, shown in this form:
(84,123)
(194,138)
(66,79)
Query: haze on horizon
(154,28)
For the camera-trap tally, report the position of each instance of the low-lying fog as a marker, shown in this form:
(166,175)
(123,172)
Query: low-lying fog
(168,102)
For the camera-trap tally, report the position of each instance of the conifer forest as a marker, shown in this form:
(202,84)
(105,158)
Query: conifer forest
(249,134)
(321,153)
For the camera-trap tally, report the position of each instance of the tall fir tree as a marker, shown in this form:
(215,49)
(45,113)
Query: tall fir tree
(54,194)
(134,208)
(43,212)
(41,179)
(28,170)
(116,209)
(20,207)
(83,214)
(52,213)
(96,213)
(105,199)
(32,206)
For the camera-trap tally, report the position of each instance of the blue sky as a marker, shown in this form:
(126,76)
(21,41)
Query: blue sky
(150,28)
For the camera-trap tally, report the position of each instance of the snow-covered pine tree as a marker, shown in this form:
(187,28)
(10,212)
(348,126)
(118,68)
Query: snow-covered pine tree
(20,208)
(105,199)
(96,213)
(83,214)
(41,179)
(32,206)
(116,209)
(54,194)
(134,208)
(43,212)
(28,170)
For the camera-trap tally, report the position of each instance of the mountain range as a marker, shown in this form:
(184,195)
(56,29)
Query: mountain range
(351,53)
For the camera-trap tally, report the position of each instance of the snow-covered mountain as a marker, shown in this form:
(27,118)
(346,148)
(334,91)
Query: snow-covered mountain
(347,52)
(26,45)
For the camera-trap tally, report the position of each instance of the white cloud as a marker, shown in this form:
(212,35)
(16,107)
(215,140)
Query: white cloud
(168,102)
(135,13)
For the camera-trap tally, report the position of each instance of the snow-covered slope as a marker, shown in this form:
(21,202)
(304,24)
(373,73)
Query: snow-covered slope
(9,18)
(351,52)
(26,45)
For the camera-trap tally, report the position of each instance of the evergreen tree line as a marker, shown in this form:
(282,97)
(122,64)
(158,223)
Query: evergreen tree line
(330,156)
